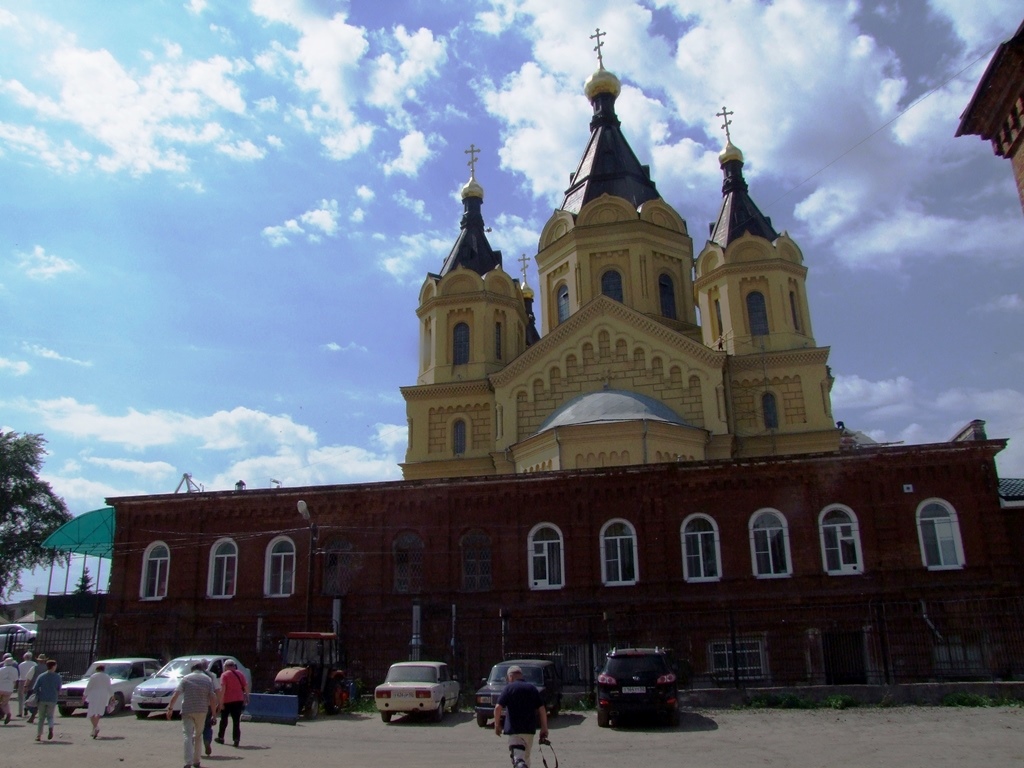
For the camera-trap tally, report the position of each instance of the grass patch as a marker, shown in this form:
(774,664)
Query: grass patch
(840,701)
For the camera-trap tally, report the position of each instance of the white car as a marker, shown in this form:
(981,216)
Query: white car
(125,675)
(155,694)
(417,686)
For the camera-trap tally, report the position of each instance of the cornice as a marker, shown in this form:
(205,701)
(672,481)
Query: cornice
(802,356)
(460,299)
(447,389)
(798,270)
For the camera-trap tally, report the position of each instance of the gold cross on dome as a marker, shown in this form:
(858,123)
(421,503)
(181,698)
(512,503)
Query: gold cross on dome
(598,34)
(724,114)
(523,260)
(473,151)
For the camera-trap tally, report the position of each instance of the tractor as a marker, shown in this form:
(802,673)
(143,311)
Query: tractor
(314,672)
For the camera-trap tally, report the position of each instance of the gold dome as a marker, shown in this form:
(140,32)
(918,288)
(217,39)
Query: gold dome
(472,189)
(527,291)
(602,81)
(729,152)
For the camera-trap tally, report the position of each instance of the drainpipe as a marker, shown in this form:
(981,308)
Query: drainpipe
(645,442)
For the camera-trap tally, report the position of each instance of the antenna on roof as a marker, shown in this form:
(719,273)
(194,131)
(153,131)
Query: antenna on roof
(189,485)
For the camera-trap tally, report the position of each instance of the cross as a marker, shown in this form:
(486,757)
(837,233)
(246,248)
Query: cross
(473,151)
(524,261)
(598,34)
(724,114)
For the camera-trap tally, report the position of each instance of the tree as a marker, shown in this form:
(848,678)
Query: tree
(29,509)
(84,586)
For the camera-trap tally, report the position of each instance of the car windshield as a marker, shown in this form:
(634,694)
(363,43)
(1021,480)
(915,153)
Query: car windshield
(177,668)
(116,671)
(628,666)
(499,674)
(412,674)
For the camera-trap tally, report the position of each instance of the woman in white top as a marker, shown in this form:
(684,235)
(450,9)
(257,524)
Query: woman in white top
(98,691)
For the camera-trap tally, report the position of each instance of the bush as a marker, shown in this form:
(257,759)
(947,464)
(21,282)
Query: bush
(966,699)
(840,701)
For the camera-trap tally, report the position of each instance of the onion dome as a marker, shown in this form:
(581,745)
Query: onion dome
(729,152)
(602,81)
(472,188)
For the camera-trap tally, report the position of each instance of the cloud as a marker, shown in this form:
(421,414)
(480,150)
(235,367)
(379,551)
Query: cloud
(14,367)
(419,207)
(242,150)
(1009,303)
(364,193)
(33,141)
(316,223)
(414,151)
(405,258)
(150,470)
(49,354)
(40,265)
(394,81)
(856,393)
(334,346)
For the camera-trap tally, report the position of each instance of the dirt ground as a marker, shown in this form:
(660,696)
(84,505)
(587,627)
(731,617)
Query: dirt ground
(901,737)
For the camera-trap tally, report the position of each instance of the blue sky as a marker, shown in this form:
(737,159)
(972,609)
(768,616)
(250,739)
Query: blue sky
(215,216)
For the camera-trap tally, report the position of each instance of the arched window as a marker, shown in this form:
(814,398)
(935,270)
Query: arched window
(156,565)
(497,341)
(611,284)
(771,412)
(223,569)
(667,293)
(757,313)
(793,311)
(547,564)
(476,562)
(939,532)
(460,344)
(769,545)
(280,568)
(840,541)
(458,437)
(702,551)
(339,566)
(618,554)
(563,303)
(408,552)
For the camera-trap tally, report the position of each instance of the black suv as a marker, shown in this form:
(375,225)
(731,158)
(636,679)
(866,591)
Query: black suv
(640,681)
(545,674)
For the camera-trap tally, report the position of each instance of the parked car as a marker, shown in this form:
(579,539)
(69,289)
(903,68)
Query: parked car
(637,681)
(417,686)
(154,694)
(543,673)
(17,638)
(125,674)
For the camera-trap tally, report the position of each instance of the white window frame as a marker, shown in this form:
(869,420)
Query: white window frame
(851,537)
(785,543)
(160,591)
(269,588)
(952,538)
(687,576)
(748,647)
(625,551)
(219,591)
(537,582)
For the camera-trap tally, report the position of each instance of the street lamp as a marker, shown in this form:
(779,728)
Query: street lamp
(304,511)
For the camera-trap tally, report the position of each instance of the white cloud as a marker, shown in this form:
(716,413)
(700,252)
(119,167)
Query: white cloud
(334,346)
(414,151)
(364,193)
(316,223)
(357,216)
(405,258)
(418,207)
(34,141)
(855,392)
(39,265)
(278,235)
(196,7)
(150,470)
(14,367)
(49,354)
(1009,303)
(242,150)
(981,24)
(394,82)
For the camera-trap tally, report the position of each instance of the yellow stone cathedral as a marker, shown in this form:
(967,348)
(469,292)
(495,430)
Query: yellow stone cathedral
(621,372)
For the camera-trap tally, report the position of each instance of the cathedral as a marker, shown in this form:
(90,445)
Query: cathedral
(656,464)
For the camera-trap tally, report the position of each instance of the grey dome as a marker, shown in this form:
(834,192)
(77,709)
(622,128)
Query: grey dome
(610,405)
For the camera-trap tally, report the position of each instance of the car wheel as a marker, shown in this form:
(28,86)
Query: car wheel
(603,718)
(312,706)
(556,707)
(332,697)
(118,704)
(673,718)
(385,716)
(142,715)
(439,713)
(481,719)
(66,711)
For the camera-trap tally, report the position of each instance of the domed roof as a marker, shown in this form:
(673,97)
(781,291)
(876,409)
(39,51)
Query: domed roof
(610,405)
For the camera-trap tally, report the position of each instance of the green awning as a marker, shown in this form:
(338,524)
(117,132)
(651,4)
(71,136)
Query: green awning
(91,533)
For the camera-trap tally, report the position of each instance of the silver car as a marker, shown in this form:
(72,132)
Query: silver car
(155,694)
(125,675)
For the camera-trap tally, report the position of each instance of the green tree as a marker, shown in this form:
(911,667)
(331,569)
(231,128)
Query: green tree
(84,586)
(29,509)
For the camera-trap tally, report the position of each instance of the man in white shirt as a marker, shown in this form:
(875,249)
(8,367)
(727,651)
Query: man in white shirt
(8,683)
(26,670)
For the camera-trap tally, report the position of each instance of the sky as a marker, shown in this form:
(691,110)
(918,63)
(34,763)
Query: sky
(216,216)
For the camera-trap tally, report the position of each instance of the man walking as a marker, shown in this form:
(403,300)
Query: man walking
(25,670)
(8,685)
(46,688)
(523,710)
(198,697)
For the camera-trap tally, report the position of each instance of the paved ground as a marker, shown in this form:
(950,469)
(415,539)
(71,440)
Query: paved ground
(901,737)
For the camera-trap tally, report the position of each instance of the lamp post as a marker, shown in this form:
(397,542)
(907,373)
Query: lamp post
(304,511)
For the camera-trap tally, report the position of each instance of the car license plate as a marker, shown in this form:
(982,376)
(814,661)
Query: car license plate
(402,694)
(634,689)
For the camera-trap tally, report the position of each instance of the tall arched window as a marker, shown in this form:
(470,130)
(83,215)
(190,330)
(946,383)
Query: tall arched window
(793,310)
(497,341)
(476,562)
(771,411)
(156,565)
(563,303)
(769,545)
(667,294)
(458,437)
(460,344)
(339,566)
(408,553)
(840,541)
(702,550)
(757,312)
(611,284)
(939,532)
(547,564)
(618,554)
(280,568)
(223,569)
